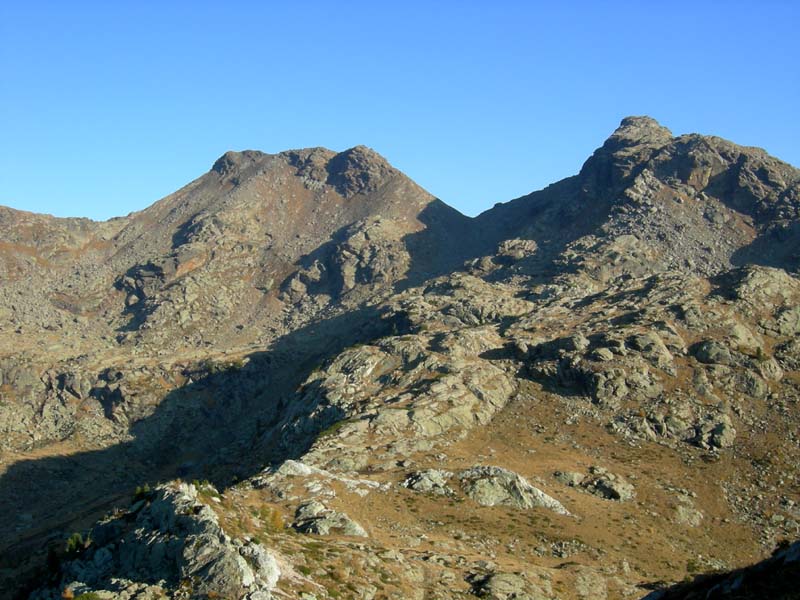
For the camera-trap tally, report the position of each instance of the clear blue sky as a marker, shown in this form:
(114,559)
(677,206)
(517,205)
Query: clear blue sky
(107,106)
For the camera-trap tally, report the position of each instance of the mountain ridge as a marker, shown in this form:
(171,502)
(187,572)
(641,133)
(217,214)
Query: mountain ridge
(315,334)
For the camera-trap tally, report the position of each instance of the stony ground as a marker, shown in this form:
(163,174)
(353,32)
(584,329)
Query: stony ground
(302,376)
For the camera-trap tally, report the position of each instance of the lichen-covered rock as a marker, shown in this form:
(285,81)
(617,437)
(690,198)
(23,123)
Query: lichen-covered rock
(788,354)
(455,389)
(570,478)
(314,517)
(607,485)
(492,486)
(788,321)
(510,586)
(430,481)
(455,301)
(611,386)
(174,538)
(716,432)
(687,514)
(653,349)
(713,352)
(758,287)
(599,482)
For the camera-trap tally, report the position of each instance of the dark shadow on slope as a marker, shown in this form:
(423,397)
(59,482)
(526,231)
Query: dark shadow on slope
(553,218)
(778,241)
(224,425)
(183,233)
(776,246)
(329,281)
(775,578)
(448,241)
(728,188)
(142,282)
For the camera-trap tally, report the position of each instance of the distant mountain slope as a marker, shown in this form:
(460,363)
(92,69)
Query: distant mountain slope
(254,229)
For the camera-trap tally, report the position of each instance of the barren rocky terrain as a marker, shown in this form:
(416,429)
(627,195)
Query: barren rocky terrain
(303,376)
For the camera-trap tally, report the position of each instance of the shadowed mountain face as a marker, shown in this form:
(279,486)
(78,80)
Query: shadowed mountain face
(319,315)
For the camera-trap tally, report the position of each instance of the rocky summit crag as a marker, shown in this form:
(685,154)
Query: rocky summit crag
(302,376)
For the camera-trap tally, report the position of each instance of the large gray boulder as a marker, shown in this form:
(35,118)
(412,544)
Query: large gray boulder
(430,481)
(315,518)
(713,352)
(608,485)
(492,486)
(599,482)
(508,586)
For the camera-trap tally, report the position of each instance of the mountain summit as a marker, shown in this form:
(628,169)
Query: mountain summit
(638,130)
(584,392)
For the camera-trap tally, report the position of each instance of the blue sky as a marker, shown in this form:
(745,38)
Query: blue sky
(107,106)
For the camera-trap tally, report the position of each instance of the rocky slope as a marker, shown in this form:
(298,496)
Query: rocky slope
(574,395)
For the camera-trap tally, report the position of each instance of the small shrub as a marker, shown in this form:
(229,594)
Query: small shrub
(142,492)
(693,566)
(333,428)
(761,356)
(756,353)
(75,545)
(217,368)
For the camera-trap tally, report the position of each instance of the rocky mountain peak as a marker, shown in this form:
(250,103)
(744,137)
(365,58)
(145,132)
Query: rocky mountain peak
(640,130)
(232,160)
(358,170)
(624,153)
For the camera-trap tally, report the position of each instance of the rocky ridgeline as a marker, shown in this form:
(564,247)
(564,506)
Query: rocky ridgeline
(168,542)
(576,394)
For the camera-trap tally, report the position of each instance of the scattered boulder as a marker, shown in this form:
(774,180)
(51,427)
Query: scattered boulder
(599,482)
(430,481)
(611,386)
(314,517)
(687,514)
(602,354)
(713,352)
(789,321)
(508,586)
(608,485)
(492,486)
(715,432)
(652,348)
(788,354)
(570,478)
(516,249)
